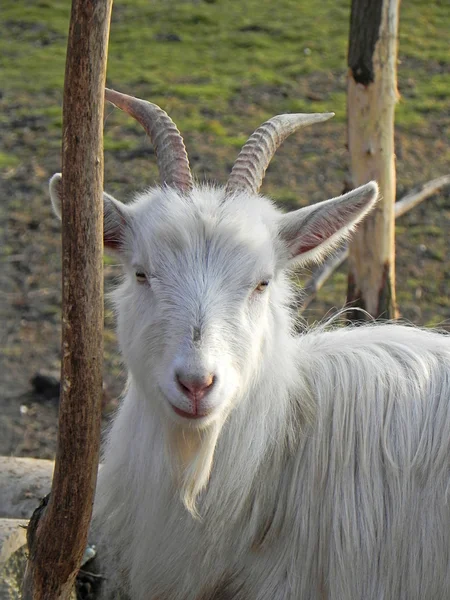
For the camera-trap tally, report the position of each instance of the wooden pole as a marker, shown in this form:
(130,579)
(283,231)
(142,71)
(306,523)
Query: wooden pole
(372,95)
(58,537)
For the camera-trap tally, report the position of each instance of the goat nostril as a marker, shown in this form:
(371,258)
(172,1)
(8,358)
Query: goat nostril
(194,386)
(184,388)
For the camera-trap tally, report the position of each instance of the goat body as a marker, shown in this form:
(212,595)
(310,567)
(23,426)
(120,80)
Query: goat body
(347,501)
(246,462)
(330,480)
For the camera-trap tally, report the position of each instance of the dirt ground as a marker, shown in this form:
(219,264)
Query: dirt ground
(30,289)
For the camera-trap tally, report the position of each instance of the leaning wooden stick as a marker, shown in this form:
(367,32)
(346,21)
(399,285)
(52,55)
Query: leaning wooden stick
(324,271)
(58,535)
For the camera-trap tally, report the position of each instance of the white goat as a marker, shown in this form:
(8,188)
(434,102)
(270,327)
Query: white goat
(246,462)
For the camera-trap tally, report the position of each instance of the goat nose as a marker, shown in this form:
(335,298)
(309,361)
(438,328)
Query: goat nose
(195,387)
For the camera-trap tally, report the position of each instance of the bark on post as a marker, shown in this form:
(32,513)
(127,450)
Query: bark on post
(58,538)
(372,95)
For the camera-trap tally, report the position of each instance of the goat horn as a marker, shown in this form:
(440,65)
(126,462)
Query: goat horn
(169,147)
(251,164)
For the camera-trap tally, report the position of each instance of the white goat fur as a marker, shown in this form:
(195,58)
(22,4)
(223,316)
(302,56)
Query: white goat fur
(323,472)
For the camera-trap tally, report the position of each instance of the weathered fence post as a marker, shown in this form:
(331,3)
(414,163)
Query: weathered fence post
(372,95)
(59,539)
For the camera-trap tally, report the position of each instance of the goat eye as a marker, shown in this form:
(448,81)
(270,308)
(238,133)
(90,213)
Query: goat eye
(141,277)
(262,286)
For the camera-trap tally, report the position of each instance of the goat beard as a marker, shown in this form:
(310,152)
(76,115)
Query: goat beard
(191,452)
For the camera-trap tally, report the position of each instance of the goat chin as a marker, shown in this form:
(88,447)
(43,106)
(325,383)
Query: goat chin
(191,452)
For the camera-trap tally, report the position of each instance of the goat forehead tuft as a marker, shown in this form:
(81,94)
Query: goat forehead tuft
(167,221)
(203,201)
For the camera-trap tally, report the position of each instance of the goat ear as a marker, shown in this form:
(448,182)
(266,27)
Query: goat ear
(309,233)
(115,214)
(55,188)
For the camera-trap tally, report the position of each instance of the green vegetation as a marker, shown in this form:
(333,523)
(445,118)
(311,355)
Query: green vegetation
(203,58)
(8,160)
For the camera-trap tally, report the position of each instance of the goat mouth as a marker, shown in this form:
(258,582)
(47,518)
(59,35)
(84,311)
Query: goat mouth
(188,415)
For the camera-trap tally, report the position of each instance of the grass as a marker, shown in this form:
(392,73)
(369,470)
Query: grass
(8,160)
(201,58)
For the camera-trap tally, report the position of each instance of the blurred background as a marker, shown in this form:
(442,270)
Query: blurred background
(219,68)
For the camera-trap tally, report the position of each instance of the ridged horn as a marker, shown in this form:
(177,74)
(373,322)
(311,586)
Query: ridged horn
(251,164)
(173,162)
